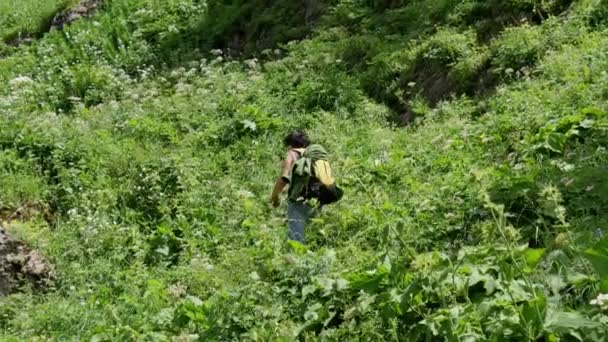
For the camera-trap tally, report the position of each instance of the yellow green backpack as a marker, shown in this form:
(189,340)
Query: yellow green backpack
(312,177)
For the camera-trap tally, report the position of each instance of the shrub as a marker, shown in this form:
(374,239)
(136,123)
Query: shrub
(446,47)
(469,69)
(19,182)
(247,27)
(518,47)
(84,84)
(356,52)
(598,15)
(28,18)
(327,92)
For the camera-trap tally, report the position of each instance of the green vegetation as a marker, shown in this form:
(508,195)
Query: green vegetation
(20,19)
(469,136)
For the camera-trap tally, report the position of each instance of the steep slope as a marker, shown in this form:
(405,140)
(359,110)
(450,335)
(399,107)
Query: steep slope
(481,219)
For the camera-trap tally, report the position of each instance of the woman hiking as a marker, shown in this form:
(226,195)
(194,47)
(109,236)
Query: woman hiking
(307,171)
(298,211)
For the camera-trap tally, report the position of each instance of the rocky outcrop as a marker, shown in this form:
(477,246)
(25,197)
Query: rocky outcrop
(85,8)
(21,266)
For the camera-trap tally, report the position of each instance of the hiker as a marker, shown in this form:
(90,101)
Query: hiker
(308,174)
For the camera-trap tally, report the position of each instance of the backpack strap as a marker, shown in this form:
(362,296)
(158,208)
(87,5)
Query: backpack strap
(299,151)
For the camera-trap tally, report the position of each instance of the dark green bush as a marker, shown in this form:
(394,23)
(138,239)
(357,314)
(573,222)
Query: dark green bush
(246,26)
(445,48)
(598,15)
(489,18)
(327,92)
(518,47)
(357,52)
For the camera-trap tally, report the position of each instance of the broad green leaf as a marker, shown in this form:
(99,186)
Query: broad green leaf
(325,284)
(556,283)
(578,279)
(341,284)
(533,256)
(533,311)
(369,281)
(559,322)
(308,289)
(195,300)
(250,125)
(164,250)
(297,247)
(556,142)
(598,256)
(254,276)
(311,313)
(587,123)
(604,284)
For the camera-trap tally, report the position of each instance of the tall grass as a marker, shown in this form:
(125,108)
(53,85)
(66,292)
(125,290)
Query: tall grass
(475,222)
(28,18)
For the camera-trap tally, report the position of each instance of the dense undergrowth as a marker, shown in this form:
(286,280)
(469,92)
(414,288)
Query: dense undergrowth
(22,20)
(469,136)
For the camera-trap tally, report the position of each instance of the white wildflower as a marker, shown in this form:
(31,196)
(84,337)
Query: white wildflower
(172,29)
(20,80)
(252,63)
(245,194)
(186,338)
(191,72)
(183,88)
(177,290)
(216,52)
(601,301)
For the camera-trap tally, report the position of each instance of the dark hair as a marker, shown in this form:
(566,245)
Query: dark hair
(296,139)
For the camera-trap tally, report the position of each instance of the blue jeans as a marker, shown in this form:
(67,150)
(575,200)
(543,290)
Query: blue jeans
(298,214)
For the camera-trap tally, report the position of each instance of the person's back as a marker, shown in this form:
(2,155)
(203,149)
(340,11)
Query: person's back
(298,211)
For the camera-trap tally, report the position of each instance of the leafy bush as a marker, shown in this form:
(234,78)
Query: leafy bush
(598,13)
(517,48)
(29,18)
(446,47)
(445,63)
(247,27)
(19,182)
(489,18)
(357,51)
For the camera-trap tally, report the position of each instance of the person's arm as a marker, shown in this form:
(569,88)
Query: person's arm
(282,181)
(279,185)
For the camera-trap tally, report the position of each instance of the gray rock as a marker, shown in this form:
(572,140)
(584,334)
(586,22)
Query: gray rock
(20,266)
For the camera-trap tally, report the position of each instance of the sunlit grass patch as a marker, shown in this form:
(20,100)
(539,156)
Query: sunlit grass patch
(22,18)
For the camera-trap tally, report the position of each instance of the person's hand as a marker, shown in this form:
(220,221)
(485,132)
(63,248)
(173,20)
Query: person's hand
(275,201)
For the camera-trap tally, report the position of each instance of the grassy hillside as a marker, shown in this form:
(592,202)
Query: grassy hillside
(23,19)
(469,137)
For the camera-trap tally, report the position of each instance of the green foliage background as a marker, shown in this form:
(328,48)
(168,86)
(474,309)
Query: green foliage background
(469,136)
